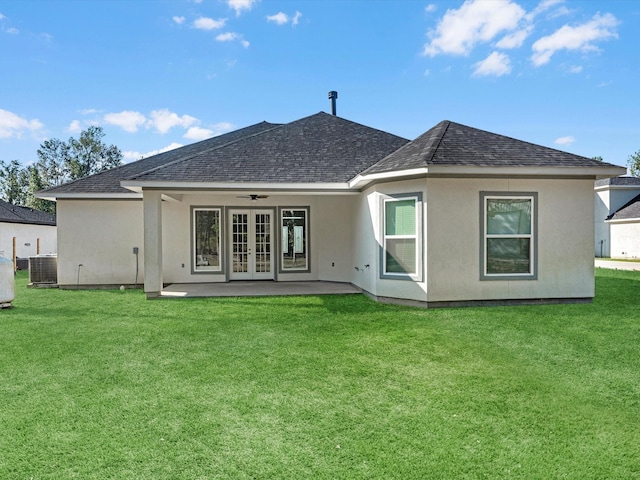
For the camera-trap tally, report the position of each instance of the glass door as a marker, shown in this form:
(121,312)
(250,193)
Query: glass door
(251,244)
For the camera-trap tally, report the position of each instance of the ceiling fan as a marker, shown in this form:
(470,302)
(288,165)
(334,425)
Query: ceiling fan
(253,197)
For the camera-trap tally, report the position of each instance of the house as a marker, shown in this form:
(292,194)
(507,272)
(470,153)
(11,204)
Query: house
(31,231)
(457,216)
(617,217)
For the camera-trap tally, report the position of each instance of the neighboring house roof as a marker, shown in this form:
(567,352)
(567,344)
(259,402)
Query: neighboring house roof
(15,214)
(109,180)
(618,181)
(629,211)
(321,148)
(450,143)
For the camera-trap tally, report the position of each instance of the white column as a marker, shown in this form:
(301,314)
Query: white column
(152,204)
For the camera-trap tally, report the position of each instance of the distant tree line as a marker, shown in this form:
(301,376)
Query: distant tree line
(58,162)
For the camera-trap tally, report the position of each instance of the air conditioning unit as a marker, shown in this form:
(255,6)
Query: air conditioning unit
(43,269)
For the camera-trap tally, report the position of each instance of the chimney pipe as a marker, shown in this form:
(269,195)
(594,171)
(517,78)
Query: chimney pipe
(333,95)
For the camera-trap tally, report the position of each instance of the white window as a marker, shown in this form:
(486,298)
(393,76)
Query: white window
(294,224)
(508,231)
(207,247)
(401,252)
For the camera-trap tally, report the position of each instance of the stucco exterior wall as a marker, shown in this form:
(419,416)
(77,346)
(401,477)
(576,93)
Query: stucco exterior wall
(607,201)
(27,239)
(100,236)
(625,239)
(602,210)
(368,239)
(565,240)
(330,218)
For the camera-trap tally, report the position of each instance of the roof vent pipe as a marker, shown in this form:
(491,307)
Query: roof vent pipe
(333,96)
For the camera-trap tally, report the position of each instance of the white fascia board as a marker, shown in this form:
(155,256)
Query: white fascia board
(617,187)
(624,220)
(479,171)
(89,196)
(360,181)
(138,186)
(470,170)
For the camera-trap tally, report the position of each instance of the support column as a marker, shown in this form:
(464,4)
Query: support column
(152,206)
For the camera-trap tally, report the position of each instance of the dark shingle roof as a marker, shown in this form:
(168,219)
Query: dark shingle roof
(619,181)
(109,180)
(450,143)
(628,211)
(15,214)
(321,148)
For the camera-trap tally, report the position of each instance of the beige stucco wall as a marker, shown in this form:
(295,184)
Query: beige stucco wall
(27,239)
(368,238)
(565,240)
(330,234)
(625,239)
(606,202)
(100,235)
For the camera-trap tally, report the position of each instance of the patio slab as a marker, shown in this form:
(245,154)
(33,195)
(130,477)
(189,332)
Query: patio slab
(257,289)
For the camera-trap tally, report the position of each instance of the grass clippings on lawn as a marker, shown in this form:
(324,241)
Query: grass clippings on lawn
(105,384)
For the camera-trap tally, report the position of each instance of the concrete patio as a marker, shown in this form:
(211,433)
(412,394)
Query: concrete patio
(257,289)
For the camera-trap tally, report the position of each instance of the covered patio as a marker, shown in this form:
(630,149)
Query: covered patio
(257,289)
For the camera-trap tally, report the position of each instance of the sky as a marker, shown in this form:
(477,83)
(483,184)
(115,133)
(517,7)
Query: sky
(157,74)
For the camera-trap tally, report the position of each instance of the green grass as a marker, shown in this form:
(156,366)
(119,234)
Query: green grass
(105,384)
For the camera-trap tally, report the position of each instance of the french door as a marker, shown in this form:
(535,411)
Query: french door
(251,244)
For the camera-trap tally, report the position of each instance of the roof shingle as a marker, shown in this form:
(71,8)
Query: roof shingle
(16,214)
(450,143)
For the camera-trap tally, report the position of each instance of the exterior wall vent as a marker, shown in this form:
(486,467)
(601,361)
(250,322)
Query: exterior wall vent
(43,269)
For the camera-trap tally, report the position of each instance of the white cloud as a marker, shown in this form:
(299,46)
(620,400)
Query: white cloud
(476,21)
(12,125)
(131,156)
(163,120)
(515,39)
(198,133)
(543,6)
(564,140)
(128,120)
(575,69)
(232,36)
(179,20)
(240,5)
(280,18)
(581,37)
(74,127)
(430,8)
(205,23)
(2,17)
(13,31)
(427,72)
(496,64)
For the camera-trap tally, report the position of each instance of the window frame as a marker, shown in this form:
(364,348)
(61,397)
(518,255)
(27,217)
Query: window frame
(418,236)
(221,231)
(307,240)
(532,274)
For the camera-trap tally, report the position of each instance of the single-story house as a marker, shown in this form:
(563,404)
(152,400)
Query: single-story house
(33,232)
(617,217)
(457,216)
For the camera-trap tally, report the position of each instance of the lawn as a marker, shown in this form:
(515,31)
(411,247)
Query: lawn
(105,384)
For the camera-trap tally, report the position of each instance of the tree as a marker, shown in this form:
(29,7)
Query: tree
(88,154)
(61,162)
(634,164)
(13,185)
(598,158)
(35,184)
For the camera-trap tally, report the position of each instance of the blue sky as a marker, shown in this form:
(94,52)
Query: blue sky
(159,74)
